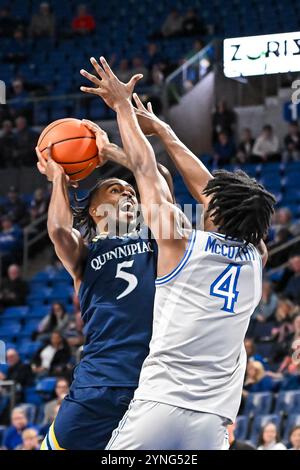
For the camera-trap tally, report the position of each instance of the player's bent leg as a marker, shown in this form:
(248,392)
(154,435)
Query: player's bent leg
(50,442)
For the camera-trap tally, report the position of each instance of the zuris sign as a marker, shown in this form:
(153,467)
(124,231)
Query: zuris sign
(260,55)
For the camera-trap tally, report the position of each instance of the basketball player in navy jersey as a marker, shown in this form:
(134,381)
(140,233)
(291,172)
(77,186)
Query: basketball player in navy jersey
(114,276)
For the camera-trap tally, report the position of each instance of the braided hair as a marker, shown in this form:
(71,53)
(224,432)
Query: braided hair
(239,205)
(83,221)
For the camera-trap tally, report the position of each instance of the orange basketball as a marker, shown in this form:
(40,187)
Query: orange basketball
(74,147)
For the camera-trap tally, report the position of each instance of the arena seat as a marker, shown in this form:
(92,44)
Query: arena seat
(15,313)
(242,425)
(288,402)
(258,403)
(10,332)
(46,385)
(2,431)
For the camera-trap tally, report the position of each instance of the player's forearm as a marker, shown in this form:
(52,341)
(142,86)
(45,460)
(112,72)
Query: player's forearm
(194,173)
(60,218)
(140,154)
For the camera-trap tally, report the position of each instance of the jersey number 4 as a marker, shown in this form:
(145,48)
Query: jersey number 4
(128,277)
(225,286)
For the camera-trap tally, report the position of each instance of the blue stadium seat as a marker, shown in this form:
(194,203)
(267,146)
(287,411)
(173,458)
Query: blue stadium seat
(39,295)
(15,313)
(292,421)
(242,425)
(31,396)
(2,431)
(28,348)
(288,402)
(38,311)
(46,385)
(259,422)
(9,332)
(258,403)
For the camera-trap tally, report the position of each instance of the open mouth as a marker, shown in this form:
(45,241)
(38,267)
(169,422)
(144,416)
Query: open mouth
(127,206)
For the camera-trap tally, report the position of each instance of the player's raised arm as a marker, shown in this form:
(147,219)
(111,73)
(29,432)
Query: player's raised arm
(159,214)
(193,171)
(68,243)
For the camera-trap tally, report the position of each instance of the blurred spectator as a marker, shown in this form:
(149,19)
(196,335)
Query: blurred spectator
(270,439)
(15,207)
(18,103)
(256,379)
(123,72)
(244,150)
(18,50)
(233,443)
(53,358)
(7,142)
(17,371)
(153,57)
(39,205)
(294,438)
(292,143)
(84,22)
(74,329)
(61,390)
(10,241)
(292,290)
(267,305)
(14,289)
(56,320)
(223,120)
(25,142)
(30,440)
(224,149)
(138,66)
(172,25)
(42,23)
(13,434)
(192,24)
(198,45)
(8,24)
(291,381)
(266,146)
(252,355)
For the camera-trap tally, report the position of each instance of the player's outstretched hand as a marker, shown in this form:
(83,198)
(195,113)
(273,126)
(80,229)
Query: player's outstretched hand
(148,121)
(108,86)
(101,138)
(49,167)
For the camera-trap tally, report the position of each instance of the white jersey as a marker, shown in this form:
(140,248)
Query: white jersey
(202,310)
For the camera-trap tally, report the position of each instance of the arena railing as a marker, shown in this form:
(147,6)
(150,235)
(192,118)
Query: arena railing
(278,249)
(185,77)
(11,393)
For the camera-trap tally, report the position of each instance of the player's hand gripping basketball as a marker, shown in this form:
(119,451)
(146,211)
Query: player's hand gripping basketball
(50,168)
(108,86)
(148,121)
(101,139)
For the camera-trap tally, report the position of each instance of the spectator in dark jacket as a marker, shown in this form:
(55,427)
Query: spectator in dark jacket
(245,147)
(20,373)
(223,120)
(292,142)
(43,23)
(10,241)
(192,24)
(16,208)
(224,149)
(25,141)
(7,143)
(53,358)
(292,289)
(8,24)
(14,289)
(13,434)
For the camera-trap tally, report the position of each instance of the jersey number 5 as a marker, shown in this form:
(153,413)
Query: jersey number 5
(225,287)
(128,277)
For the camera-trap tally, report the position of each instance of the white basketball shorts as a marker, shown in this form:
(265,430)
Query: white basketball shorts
(148,425)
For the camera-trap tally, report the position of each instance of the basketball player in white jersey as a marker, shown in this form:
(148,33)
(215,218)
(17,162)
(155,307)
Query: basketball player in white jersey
(208,285)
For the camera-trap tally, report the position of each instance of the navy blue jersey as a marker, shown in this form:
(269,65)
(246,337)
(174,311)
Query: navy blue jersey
(116,298)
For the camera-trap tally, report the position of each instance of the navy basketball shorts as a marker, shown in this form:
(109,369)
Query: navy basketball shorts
(87,418)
